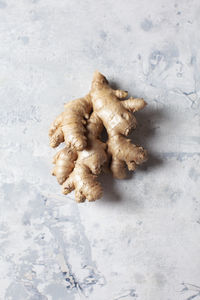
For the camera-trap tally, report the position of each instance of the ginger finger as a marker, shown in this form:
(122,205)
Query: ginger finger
(134,104)
(118,168)
(64,164)
(68,185)
(115,117)
(84,183)
(120,94)
(122,150)
(81,174)
(70,125)
(55,133)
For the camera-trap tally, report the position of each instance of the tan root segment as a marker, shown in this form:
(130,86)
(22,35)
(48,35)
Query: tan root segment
(118,119)
(69,126)
(80,125)
(82,175)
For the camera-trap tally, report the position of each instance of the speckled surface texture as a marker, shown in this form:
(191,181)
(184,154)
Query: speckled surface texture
(142,240)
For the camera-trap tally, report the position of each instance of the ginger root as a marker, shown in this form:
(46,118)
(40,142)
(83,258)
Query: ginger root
(85,155)
(69,126)
(88,165)
(118,119)
(64,162)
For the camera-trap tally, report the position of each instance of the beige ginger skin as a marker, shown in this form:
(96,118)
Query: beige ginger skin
(69,126)
(64,162)
(80,126)
(81,175)
(118,119)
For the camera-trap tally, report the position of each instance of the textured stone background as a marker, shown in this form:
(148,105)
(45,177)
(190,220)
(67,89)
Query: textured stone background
(142,240)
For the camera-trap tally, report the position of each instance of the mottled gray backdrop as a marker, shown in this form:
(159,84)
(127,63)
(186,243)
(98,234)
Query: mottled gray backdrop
(142,240)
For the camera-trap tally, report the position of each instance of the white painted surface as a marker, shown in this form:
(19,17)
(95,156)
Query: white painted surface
(141,241)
